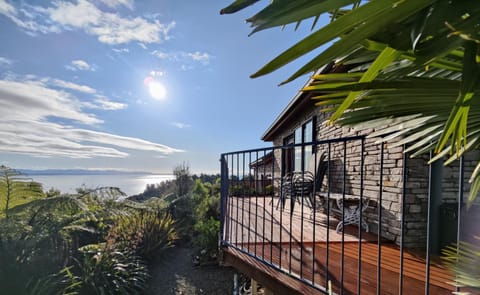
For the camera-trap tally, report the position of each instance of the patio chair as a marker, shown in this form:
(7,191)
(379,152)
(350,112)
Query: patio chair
(296,185)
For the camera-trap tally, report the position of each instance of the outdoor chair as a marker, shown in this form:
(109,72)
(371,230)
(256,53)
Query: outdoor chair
(303,184)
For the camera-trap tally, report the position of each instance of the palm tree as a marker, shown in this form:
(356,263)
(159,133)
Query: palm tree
(16,187)
(413,62)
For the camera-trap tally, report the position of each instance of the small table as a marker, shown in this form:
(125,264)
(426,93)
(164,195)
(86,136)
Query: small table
(350,204)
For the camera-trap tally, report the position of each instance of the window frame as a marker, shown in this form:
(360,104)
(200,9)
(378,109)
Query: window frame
(292,157)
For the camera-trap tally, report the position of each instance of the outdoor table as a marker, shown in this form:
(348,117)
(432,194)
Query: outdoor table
(350,204)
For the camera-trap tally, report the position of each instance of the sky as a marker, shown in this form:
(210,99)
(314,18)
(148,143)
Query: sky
(135,85)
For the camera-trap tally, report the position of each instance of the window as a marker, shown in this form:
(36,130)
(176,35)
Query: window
(287,155)
(296,158)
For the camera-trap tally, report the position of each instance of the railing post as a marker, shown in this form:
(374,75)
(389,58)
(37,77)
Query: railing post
(461,175)
(223,196)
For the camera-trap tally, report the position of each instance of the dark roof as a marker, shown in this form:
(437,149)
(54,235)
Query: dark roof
(267,159)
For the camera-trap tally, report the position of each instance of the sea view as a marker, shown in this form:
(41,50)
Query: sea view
(130,184)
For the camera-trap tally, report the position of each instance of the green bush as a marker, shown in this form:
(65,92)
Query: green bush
(100,269)
(144,231)
(206,202)
(206,237)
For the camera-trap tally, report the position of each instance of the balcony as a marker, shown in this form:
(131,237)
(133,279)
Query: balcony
(357,226)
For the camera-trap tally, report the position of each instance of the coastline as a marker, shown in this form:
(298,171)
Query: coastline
(129,183)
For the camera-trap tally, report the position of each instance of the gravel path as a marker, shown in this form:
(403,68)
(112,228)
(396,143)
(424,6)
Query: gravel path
(174,274)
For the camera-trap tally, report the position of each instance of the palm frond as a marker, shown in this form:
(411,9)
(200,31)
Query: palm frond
(464,260)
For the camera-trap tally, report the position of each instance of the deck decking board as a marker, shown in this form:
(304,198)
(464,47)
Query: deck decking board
(292,238)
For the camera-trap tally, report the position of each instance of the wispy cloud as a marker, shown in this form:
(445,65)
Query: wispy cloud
(204,57)
(41,102)
(110,28)
(4,62)
(25,18)
(46,139)
(108,105)
(79,65)
(115,3)
(70,85)
(184,57)
(121,50)
(180,125)
(39,132)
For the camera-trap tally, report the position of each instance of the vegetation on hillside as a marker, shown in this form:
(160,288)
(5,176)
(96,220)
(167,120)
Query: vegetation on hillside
(94,241)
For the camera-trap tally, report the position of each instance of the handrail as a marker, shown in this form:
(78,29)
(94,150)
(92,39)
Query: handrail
(296,239)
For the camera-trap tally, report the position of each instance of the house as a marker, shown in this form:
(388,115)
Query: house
(405,210)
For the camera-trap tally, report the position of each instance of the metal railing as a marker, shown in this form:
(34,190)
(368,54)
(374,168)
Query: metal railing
(317,233)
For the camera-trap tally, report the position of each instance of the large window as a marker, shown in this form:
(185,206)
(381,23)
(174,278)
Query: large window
(296,158)
(288,154)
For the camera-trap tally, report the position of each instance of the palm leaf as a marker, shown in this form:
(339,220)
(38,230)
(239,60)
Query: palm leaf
(237,5)
(383,60)
(281,13)
(464,260)
(456,125)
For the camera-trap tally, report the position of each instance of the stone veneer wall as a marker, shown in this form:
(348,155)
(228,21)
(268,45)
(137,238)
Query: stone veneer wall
(416,186)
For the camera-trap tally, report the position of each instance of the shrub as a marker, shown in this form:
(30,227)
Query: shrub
(182,211)
(104,270)
(207,236)
(144,231)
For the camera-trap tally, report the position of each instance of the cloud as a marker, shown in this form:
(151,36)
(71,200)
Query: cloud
(70,85)
(46,139)
(25,18)
(204,58)
(120,50)
(109,105)
(38,131)
(164,55)
(4,62)
(115,3)
(6,8)
(180,125)
(41,102)
(79,65)
(110,28)
(184,57)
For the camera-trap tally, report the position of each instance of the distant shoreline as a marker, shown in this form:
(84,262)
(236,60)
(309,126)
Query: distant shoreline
(53,172)
(131,183)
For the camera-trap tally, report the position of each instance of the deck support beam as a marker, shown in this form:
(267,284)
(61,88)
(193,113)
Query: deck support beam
(254,286)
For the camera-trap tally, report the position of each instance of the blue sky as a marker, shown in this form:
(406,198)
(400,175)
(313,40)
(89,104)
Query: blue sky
(134,85)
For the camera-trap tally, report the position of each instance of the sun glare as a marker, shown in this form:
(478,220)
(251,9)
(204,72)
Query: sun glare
(157,90)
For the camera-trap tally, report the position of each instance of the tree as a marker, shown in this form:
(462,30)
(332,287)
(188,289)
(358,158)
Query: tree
(183,179)
(410,63)
(14,187)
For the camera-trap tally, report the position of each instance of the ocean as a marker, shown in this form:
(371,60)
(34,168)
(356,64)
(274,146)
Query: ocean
(131,184)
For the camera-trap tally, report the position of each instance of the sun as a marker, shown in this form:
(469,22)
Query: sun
(157,90)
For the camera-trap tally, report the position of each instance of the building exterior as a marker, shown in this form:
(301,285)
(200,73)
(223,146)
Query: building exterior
(292,244)
(302,122)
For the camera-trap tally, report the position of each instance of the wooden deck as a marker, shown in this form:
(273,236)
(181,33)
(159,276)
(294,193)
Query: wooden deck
(263,247)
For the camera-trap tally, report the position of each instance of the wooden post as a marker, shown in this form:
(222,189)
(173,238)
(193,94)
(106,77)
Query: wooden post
(253,286)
